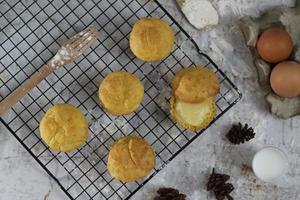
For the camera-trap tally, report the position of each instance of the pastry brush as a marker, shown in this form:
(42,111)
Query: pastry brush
(69,52)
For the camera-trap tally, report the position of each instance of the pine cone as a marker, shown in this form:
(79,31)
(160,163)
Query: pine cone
(216,179)
(169,194)
(217,183)
(223,191)
(239,134)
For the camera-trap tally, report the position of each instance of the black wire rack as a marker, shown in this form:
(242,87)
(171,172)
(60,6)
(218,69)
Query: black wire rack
(31,33)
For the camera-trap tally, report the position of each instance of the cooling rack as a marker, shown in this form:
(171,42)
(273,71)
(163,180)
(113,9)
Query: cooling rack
(32,31)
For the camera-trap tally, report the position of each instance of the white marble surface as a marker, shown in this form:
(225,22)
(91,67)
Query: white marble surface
(22,178)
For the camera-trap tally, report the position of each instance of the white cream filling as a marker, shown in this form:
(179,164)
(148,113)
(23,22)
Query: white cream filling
(193,114)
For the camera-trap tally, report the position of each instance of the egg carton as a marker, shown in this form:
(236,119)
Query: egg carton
(32,32)
(281,17)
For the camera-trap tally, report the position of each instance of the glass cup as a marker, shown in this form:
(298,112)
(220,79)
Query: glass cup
(269,164)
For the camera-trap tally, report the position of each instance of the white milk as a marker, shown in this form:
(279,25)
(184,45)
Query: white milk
(269,164)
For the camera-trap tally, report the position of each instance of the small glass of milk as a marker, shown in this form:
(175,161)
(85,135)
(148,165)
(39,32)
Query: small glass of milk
(269,164)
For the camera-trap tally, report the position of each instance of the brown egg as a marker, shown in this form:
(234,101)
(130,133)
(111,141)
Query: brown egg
(274,45)
(285,79)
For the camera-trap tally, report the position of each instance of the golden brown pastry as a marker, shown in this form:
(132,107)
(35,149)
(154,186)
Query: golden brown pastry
(192,104)
(121,93)
(130,159)
(193,117)
(151,39)
(195,84)
(64,128)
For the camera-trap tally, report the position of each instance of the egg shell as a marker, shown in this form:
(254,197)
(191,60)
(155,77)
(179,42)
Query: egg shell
(274,45)
(285,79)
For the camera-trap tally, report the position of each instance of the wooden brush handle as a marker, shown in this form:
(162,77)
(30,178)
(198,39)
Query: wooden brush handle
(180,2)
(23,89)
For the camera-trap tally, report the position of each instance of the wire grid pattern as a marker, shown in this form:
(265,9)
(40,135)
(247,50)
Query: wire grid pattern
(30,35)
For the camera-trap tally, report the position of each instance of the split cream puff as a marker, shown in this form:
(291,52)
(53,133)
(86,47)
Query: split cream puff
(192,104)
